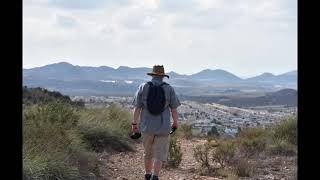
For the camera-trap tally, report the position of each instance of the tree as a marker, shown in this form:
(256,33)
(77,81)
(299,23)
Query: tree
(213,131)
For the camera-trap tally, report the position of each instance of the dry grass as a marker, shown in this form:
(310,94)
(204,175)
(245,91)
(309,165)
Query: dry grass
(58,139)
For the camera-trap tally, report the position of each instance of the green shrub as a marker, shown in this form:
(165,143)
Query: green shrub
(224,152)
(119,119)
(253,140)
(213,132)
(202,153)
(49,127)
(283,140)
(227,174)
(93,163)
(105,129)
(232,176)
(88,162)
(185,131)
(51,143)
(252,146)
(286,130)
(41,96)
(113,117)
(242,168)
(100,139)
(58,137)
(42,167)
(249,133)
(281,147)
(175,154)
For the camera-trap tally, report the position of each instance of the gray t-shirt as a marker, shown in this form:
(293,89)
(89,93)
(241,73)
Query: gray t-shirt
(155,124)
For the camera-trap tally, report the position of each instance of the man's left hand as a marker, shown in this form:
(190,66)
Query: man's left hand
(135,128)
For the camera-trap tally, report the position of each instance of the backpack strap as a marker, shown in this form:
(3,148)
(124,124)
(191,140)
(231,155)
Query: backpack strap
(164,83)
(150,83)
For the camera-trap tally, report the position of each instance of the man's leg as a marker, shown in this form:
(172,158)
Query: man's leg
(157,167)
(148,154)
(161,153)
(148,165)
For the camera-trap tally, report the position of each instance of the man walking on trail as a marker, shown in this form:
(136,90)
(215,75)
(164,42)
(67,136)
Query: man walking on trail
(153,102)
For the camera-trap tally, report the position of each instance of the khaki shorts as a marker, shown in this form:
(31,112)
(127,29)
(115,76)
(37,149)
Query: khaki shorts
(155,146)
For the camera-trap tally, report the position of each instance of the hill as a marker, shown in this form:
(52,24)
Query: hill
(216,76)
(43,96)
(84,80)
(288,79)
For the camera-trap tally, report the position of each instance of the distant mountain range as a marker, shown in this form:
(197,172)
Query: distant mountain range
(104,80)
(270,78)
(282,97)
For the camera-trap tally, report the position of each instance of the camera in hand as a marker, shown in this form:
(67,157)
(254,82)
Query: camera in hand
(136,135)
(173,129)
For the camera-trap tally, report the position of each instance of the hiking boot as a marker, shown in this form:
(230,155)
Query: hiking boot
(155,177)
(147,176)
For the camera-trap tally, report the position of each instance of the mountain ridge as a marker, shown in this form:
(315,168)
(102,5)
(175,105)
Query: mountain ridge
(70,78)
(205,71)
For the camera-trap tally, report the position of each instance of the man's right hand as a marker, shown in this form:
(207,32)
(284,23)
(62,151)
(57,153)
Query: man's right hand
(175,125)
(135,128)
(174,113)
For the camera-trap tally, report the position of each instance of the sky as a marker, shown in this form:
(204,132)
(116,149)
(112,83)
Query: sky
(244,37)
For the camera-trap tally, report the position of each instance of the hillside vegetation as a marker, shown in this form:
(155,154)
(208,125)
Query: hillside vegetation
(238,156)
(43,96)
(255,153)
(61,139)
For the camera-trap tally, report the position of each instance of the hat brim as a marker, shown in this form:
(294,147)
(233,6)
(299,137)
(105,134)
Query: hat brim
(155,74)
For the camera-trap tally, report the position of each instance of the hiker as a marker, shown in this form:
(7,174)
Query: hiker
(153,102)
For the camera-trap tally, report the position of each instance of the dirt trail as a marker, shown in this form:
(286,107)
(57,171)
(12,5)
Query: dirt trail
(130,165)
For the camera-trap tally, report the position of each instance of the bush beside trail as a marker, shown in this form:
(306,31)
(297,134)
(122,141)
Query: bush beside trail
(61,139)
(217,156)
(175,155)
(105,128)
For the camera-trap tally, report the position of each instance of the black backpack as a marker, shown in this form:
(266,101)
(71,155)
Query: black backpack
(156,98)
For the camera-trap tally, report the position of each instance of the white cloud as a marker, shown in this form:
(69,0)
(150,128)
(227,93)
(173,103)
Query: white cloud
(210,4)
(66,21)
(147,4)
(86,4)
(148,21)
(35,2)
(240,36)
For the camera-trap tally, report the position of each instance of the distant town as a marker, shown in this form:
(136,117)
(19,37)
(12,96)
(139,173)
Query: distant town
(208,118)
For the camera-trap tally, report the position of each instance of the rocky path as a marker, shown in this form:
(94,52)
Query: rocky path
(130,166)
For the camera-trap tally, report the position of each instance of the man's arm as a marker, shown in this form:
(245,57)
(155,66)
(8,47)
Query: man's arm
(136,114)
(174,104)
(174,113)
(135,121)
(138,104)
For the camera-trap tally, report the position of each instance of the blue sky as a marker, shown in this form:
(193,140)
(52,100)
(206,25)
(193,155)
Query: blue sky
(245,37)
